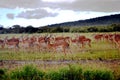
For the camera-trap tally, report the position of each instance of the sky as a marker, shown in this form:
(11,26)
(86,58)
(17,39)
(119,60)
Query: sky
(46,12)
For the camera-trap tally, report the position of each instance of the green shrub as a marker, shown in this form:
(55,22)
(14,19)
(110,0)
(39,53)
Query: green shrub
(88,75)
(105,75)
(66,73)
(70,73)
(3,75)
(27,73)
(98,75)
(52,75)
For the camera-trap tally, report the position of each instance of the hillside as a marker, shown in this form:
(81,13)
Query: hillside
(99,21)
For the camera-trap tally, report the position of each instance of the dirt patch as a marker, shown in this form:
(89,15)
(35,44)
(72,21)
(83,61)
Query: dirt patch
(17,63)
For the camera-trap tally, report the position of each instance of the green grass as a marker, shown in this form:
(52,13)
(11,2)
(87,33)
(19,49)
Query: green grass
(70,72)
(9,55)
(27,73)
(98,50)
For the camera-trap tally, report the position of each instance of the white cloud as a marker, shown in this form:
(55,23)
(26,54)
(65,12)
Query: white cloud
(59,1)
(35,14)
(50,10)
(79,5)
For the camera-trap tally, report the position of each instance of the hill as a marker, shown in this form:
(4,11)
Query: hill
(99,21)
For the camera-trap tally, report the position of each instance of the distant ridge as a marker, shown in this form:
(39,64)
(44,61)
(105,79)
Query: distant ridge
(99,21)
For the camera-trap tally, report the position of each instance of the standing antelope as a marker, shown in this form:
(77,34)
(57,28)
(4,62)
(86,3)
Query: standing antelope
(58,46)
(2,44)
(12,43)
(117,40)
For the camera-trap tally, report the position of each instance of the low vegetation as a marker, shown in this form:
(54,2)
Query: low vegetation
(66,73)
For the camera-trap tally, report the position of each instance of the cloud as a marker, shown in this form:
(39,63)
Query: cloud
(35,14)
(59,1)
(10,16)
(20,3)
(93,5)
(63,16)
(79,5)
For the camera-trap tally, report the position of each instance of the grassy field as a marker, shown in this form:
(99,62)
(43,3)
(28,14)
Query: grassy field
(100,51)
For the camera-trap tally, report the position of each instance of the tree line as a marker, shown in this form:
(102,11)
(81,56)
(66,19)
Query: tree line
(47,29)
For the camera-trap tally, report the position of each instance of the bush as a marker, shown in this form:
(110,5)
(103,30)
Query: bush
(28,73)
(88,75)
(98,75)
(70,73)
(3,75)
(67,73)
(52,75)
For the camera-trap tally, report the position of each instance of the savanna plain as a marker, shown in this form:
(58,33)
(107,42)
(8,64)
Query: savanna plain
(96,58)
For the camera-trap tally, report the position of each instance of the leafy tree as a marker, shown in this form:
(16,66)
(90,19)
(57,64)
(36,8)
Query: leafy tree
(30,29)
(92,29)
(16,28)
(116,27)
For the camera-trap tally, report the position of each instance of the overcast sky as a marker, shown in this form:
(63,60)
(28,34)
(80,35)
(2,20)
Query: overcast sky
(45,12)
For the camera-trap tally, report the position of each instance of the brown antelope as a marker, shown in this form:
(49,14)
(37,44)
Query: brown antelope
(12,43)
(98,37)
(58,46)
(84,41)
(2,43)
(25,42)
(42,45)
(117,40)
(75,42)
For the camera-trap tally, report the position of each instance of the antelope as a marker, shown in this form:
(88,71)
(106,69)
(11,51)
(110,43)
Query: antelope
(42,42)
(98,37)
(2,44)
(12,43)
(117,40)
(84,41)
(58,46)
(25,42)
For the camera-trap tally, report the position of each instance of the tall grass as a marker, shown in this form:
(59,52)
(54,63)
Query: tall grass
(70,73)
(3,75)
(66,73)
(98,75)
(27,73)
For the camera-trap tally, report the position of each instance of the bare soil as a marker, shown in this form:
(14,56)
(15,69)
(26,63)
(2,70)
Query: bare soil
(17,63)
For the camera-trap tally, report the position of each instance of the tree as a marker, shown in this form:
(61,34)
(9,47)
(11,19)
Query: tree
(92,29)
(116,27)
(31,29)
(16,28)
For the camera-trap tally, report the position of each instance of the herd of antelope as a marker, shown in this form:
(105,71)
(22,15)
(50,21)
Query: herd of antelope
(57,43)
